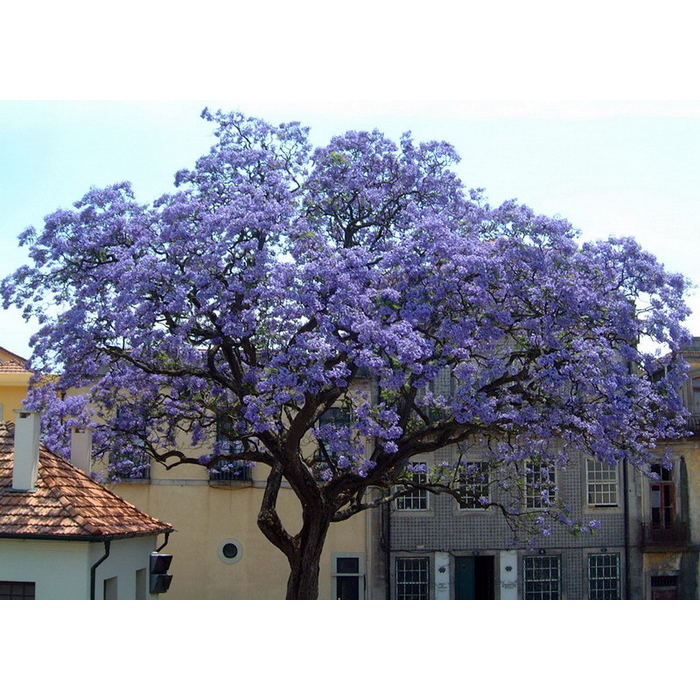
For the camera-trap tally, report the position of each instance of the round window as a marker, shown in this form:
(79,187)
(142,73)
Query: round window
(230,551)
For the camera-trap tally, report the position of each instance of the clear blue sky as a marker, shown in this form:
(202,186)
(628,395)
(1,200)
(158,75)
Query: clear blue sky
(621,168)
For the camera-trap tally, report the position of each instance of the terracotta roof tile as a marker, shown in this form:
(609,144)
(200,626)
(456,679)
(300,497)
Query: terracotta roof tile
(67,503)
(14,367)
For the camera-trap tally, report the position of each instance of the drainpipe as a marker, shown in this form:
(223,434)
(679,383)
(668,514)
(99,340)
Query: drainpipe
(625,486)
(93,568)
(165,543)
(626,506)
(388,551)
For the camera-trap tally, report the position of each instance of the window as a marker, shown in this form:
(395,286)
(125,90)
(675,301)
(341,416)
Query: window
(230,551)
(601,481)
(412,578)
(130,464)
(604,576)
(110,589)
(229,469)
(348,577)
(130,461)
(541,578)
(664,587)
(540,486)
(418,500)
(17,590)
(695,405)
(474,486)
(662,499)
(339,416)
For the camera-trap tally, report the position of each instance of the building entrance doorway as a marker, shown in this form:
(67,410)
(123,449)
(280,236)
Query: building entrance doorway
(474,578)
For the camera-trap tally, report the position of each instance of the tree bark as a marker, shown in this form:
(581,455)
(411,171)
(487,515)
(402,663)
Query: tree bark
(306,559)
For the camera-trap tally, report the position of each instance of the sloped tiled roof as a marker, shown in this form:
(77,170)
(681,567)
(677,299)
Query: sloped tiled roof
(12,366)
(10,362)
(67,503)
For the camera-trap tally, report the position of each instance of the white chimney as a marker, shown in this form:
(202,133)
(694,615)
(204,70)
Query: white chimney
(81,448)
(26,462)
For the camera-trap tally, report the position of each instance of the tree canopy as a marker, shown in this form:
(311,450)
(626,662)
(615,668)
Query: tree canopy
(279,283)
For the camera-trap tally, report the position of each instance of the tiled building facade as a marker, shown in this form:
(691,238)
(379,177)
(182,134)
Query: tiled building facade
(647,546)
(437,548)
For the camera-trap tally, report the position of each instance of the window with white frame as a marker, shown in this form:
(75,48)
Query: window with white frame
(541,578)
(540,485)
(601,480)
(412,578)
(418,499)
(474,486)
(348,576)
(604,576)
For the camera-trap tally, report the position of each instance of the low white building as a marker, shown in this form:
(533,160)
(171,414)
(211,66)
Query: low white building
(64,536)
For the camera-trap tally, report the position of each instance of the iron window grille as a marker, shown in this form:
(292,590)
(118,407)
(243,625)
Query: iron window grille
(229,469)
(664,587)
(138,459)
(129,461)
(412,578)
(604,576)
(542,578)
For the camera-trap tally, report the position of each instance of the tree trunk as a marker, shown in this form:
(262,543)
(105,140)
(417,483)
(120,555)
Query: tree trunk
(306,560)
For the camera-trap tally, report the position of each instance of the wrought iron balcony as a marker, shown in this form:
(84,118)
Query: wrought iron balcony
(675,533)
(693,424)
(234,472)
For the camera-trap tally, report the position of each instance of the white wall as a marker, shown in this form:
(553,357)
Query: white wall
(60,569)
(126,557)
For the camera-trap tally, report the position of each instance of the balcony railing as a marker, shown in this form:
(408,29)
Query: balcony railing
(693,424)
(231,472)
(674,533)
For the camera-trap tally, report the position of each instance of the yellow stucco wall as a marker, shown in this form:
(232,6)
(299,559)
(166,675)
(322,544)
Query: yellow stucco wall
(204,516)
(13,384)
(11,397)
(691,453)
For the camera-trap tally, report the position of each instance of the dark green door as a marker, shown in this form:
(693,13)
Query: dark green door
(474,578)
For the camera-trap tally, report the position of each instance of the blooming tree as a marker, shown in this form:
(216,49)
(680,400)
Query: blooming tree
(279,286)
